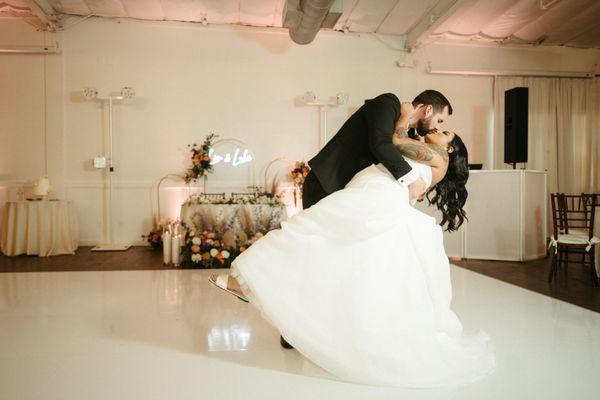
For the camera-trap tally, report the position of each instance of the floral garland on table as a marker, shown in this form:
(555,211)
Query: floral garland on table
(201,161)
(265,198)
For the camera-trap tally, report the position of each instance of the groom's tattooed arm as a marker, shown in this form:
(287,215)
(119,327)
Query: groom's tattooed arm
(401,132)
(416,151)
(420,151)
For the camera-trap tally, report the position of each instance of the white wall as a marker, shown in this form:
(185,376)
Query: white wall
(22,110)
(190,80)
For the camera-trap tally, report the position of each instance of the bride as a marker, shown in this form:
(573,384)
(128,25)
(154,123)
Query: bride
(359,283)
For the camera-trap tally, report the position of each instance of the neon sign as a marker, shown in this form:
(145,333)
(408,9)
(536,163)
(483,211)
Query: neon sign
(235,160)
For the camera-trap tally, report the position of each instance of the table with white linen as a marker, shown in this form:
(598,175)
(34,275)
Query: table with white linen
(238,219)
(43,227)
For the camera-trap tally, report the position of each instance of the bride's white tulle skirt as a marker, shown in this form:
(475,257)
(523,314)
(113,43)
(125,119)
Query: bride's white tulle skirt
(360,285)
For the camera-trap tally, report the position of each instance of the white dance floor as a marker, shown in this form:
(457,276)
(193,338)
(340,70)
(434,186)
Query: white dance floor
(169,334)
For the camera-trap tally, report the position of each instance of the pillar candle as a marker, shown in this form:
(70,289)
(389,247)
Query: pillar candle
(166,239)
(175,249)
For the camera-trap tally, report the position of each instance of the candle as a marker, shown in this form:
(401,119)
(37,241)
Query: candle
(175,249)
(166,239)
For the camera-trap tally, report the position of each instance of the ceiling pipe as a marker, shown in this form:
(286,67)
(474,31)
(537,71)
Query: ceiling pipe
(312,15)
(509,72)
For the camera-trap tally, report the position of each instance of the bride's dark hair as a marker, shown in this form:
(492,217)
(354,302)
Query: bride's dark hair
(450,193)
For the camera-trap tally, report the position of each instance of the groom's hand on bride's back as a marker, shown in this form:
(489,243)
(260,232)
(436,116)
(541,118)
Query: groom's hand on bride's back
(416,190)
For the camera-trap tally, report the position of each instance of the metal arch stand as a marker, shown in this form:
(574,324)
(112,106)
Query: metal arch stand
(158,217)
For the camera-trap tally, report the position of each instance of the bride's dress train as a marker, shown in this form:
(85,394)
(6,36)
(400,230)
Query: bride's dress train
(360,285)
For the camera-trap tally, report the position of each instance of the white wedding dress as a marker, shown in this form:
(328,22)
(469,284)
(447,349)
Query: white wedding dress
(360,285)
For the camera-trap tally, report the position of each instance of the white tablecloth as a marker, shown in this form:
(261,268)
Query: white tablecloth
(44,227)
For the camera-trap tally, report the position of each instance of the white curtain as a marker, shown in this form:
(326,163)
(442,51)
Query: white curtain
(564,130)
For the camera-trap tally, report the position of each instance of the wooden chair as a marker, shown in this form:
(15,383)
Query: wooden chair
(236,196)
(573,232)
(214,196)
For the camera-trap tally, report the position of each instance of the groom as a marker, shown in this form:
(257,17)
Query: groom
(366,138)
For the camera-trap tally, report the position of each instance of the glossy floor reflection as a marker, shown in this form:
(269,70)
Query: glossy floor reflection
(169,334)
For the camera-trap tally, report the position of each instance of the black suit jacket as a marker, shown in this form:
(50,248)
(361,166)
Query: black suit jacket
(365,139)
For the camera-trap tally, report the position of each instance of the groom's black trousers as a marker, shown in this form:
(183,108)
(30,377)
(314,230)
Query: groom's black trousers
(312,191)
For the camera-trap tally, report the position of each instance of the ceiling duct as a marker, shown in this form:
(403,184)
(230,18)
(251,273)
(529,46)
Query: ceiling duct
(305,18)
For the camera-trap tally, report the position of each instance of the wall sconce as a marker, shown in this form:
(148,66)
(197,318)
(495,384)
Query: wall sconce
(310,99)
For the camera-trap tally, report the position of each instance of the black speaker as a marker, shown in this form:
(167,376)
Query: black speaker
(516,103)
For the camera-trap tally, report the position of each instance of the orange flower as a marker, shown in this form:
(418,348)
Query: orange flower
(206,256)
(196,248)
(154,237)
(242,249)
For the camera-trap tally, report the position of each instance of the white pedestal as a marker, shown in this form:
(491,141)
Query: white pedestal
(507,217)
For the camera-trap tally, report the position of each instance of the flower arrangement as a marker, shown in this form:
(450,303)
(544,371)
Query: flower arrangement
(301,169)
(267,198)
(201,161)
(154,237)
(252,239)
(206,250)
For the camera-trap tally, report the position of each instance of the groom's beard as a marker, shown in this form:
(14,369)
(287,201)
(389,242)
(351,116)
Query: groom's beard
(423,126)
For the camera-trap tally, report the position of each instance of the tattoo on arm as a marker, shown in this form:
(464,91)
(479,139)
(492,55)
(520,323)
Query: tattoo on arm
(443,153)
(401,132)
(422,151)
(416,151)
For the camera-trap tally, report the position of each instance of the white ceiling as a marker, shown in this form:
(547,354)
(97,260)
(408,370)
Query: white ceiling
(546,22)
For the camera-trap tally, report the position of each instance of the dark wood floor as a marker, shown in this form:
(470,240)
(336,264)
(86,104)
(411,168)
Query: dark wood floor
(575,289)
